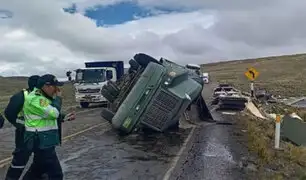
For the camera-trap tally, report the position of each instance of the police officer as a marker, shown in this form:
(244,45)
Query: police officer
(13,113)
(41,109)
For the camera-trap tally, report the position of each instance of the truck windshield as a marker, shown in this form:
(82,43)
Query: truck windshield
(90,75)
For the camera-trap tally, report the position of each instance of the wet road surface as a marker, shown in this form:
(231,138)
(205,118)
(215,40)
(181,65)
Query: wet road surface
(104,155)
(212,154)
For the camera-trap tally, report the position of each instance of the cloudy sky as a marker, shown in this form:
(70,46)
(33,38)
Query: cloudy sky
(53,36)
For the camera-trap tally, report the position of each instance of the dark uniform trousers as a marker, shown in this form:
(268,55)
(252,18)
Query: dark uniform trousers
(45,161)
(20,156)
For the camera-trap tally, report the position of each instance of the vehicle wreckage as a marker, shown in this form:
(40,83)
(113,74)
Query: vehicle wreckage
(153,95)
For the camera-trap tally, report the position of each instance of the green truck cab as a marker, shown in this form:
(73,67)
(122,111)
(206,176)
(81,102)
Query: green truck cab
(154,94)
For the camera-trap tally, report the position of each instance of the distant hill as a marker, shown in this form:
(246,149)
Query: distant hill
(282,75)
(19,78)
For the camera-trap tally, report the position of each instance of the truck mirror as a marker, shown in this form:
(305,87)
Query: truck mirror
(109,74)
(68,74)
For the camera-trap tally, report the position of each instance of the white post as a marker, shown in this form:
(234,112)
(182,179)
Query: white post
(252,88)
(277,131)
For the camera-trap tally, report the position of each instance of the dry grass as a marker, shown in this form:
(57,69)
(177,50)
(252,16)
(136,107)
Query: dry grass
(11,85)
(273,164)
(282,76)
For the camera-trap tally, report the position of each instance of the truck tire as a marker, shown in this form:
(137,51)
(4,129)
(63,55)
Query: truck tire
(134,65)
(84,104)
(107,114)
(143,60)
(105,93)
(112,88)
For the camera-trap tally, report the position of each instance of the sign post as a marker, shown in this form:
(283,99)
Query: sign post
(277,131)
(251,74)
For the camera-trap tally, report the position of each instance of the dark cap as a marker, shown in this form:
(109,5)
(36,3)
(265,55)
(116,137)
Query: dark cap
(48,79)
(32,81)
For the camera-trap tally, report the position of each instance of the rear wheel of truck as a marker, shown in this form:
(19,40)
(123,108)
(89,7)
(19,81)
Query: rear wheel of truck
(107,114)
(105,93)
(143,60)
(84,104)
(112,88)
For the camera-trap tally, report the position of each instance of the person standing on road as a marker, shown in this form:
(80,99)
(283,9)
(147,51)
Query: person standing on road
(13,113)
(42,109)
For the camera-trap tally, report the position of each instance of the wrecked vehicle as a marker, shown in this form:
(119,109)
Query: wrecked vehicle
(152,94)
(228,98)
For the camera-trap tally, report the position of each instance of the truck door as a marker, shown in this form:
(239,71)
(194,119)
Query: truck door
(111,74)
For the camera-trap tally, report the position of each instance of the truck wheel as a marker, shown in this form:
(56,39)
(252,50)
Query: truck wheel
(112,88)
(143,59)
(84,104)
(107,114)
(105,93)
(133,65)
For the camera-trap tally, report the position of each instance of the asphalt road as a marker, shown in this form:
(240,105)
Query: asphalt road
(207,151)
(213,153)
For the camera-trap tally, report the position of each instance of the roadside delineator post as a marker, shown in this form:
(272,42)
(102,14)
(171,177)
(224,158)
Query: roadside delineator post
(252,88)
(277,131)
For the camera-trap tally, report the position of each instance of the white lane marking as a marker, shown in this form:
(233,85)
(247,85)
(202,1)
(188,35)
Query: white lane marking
(229,113)
(177,157)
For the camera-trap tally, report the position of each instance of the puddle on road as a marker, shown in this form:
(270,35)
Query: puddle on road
(161,146)
(219,151)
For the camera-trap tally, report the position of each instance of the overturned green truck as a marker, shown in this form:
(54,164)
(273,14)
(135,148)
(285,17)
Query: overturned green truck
(152,94)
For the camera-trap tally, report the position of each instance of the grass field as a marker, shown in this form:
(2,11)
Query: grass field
(11,85)
(284,76)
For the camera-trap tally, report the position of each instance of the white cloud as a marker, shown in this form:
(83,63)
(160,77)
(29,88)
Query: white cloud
(41,37)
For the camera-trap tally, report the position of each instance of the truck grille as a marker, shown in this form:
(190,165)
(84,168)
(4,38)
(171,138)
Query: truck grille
(158,113)
(89,90)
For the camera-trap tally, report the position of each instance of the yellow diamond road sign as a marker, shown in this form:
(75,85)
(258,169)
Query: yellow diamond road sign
(251,74)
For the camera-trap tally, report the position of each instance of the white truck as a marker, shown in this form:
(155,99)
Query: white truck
(90,80)
(205,78)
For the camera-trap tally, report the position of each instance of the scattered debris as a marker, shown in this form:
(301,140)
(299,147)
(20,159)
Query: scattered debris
(228,98)
(254,110)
